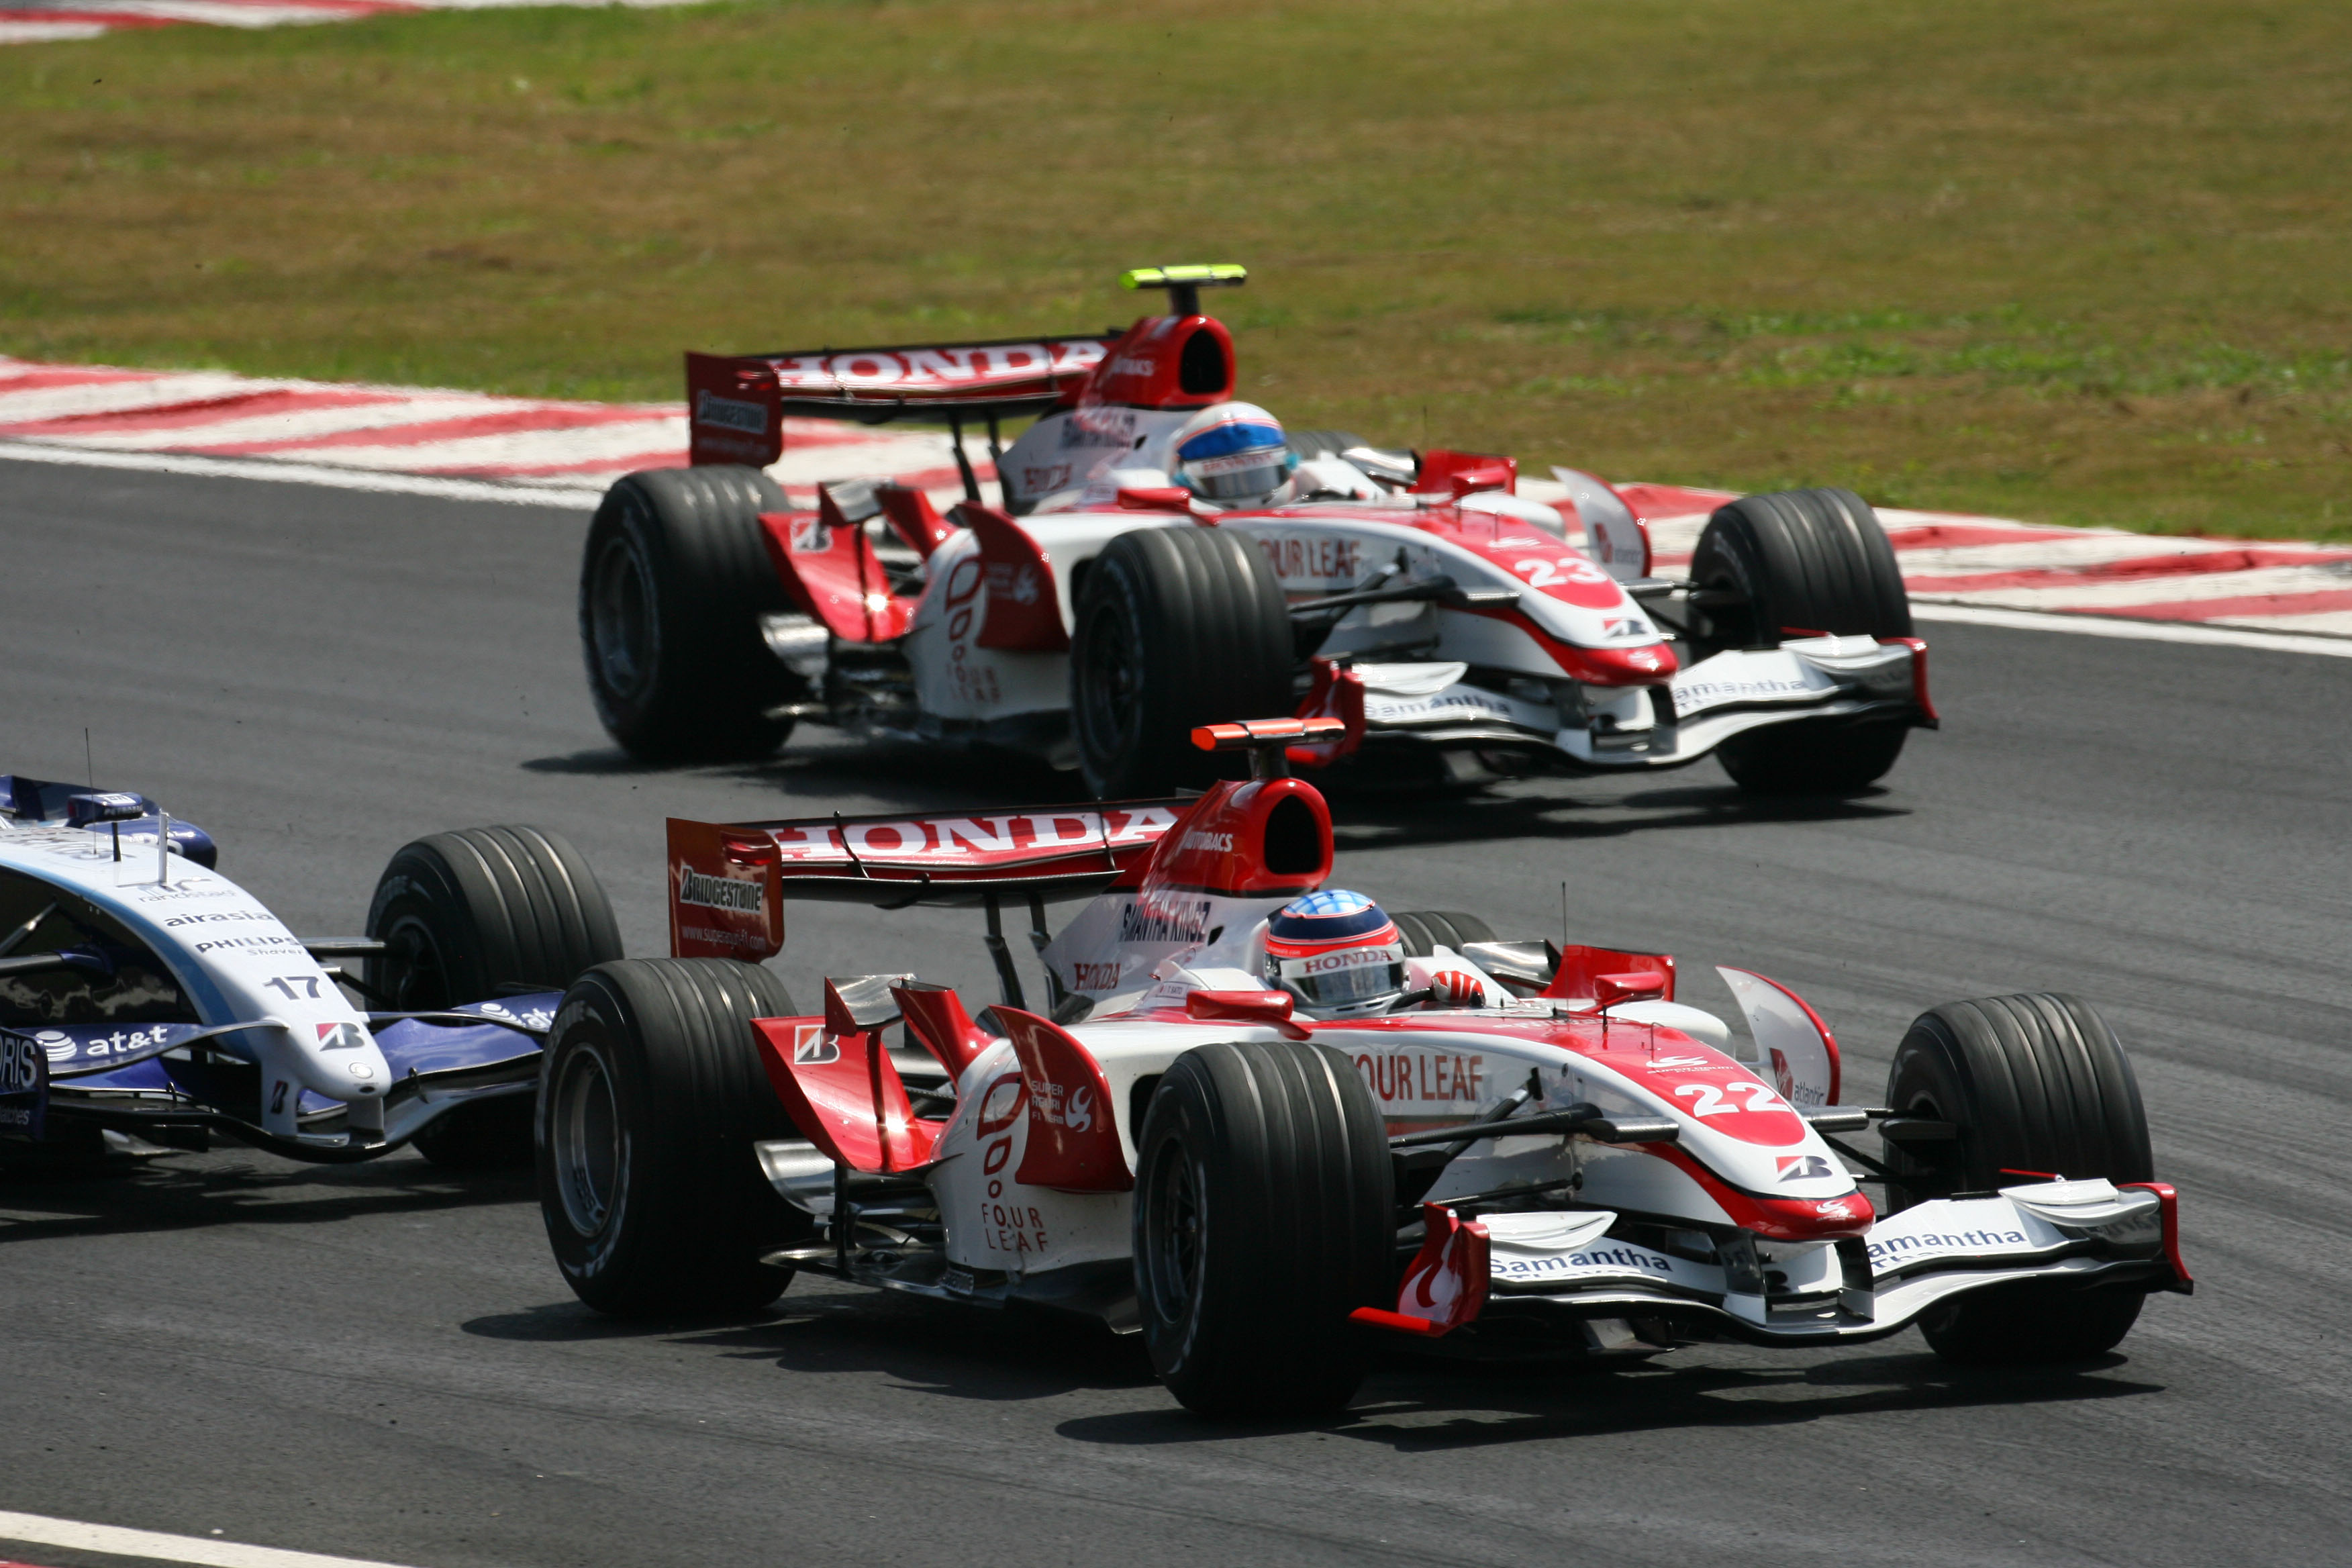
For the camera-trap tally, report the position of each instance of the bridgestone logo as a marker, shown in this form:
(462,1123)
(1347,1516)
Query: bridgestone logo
(720,893)
(730,414)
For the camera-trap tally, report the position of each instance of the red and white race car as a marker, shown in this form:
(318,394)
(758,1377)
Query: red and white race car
(1515,1148)
(1164,556)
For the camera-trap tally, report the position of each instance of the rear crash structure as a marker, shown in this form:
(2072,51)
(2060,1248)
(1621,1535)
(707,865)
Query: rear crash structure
(1458,625)
(1573,1165)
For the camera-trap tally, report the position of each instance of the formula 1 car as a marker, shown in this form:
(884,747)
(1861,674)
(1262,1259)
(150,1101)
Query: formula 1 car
(1537,1151)
(147,1002)
(1459,627)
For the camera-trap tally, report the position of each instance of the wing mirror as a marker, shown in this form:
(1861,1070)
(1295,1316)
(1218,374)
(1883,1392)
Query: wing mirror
(1247,1007)
(1155,498)
(1643,986)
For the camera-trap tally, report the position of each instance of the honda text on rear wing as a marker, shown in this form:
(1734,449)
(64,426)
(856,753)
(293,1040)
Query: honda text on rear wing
(737,404)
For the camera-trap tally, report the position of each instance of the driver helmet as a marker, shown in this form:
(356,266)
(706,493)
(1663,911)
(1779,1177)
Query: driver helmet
(1230,452)
(1338,953)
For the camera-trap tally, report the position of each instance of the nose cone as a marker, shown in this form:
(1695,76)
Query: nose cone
(342,1060)
(1644,666)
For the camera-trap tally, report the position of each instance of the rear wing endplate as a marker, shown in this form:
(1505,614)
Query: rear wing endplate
(737,404)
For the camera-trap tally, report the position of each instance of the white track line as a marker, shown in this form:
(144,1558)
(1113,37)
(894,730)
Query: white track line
(2135,631)
(111,1541)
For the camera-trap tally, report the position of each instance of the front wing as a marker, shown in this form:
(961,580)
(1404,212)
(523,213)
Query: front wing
(143,1078)
(2085,1235)
(1454,706)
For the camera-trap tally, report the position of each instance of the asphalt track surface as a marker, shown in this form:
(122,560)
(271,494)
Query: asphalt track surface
(381,1362)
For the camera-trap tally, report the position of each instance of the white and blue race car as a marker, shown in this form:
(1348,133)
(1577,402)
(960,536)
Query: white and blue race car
(147,1001)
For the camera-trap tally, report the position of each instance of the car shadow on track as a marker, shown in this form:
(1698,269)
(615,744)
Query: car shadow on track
(1409,1404)
(897,775)
(1428,1409)
(811,781)
(1369,821)
(939,1348)
(238,1186)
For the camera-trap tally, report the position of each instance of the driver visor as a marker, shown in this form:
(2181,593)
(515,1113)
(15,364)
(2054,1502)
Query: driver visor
(1248,473)
(1347,975)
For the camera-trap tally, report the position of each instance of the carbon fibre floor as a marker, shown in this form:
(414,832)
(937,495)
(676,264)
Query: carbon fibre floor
(381,1362)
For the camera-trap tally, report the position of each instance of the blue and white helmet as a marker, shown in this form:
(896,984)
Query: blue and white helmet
(1230,452)
(1338,953)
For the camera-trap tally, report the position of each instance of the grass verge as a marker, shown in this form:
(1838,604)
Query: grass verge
(2080,260)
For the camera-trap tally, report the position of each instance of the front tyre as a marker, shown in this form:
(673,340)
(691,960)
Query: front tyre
(1426,930)
(651,1097)
(468,915)
(1800,563)
(2033,1083)
(1263,1216)
(673,588)
(1176,627)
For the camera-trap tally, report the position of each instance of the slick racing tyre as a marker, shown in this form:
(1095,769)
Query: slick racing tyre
(1795,565)
(1177,628)
(673,588)
(2032,1084)
(650,1099)
(1800,563)
(472,915)
(1263,1217)
(1426,930)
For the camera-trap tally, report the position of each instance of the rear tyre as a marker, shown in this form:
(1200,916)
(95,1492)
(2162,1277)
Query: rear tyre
(2033,1083)
(673,585)
(1426,930)
(468,915)
(1794,564)
(1177,628)
(1263,1217)
(651,1097)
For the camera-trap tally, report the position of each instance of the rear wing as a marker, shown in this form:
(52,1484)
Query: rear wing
(737,404)
(727,882)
